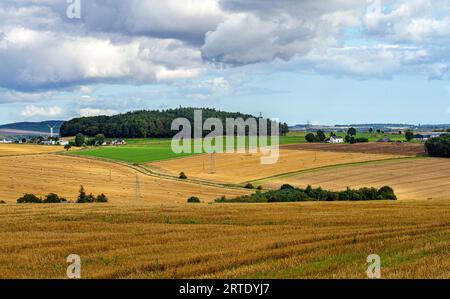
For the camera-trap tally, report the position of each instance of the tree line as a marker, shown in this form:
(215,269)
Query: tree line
(288,193)
(145,123)
(83,197)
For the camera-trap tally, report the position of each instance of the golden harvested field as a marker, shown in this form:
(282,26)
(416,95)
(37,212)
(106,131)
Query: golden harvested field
(303,240)
(394,148)
(240,168)
(421,178)
(42,174)
(27,149)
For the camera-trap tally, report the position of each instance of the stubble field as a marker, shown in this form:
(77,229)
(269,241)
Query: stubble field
(162,237)
(27,149)
(307,240)
(412,179)
(42,174)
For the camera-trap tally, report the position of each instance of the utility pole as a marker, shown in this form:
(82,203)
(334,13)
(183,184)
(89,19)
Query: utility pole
(213,163)
(138,190)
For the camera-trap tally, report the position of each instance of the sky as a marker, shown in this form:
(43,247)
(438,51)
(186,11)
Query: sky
(326,62)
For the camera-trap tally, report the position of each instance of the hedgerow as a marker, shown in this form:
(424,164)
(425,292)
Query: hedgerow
(288,193)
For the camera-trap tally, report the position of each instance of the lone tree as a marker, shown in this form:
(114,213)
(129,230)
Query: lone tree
(321,136)
(351,131)
(409,135)
(99,139)
(80,139)
(67,147)
(310,137)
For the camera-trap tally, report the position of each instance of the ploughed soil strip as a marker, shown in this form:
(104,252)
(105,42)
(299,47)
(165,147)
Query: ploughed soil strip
(394,148)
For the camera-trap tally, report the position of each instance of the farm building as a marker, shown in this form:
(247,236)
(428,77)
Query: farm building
(6,141)
(336,140)
(48,142)
(118,142)
(425,137)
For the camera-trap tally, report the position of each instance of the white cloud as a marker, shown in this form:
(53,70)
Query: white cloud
(33,110)
(63,60)
(84,112)
(152,41)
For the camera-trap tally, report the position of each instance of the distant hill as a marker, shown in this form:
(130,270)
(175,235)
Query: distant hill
(141,124)
(31,128)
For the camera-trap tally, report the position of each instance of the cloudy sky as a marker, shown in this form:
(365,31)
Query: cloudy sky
(330,61)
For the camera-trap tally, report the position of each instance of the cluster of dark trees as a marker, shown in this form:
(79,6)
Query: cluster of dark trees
(81,140)
(54,198)
(439,146)
(50,198)
(288,193)
(142,124)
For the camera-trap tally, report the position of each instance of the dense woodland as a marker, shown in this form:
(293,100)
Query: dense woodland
(141,124)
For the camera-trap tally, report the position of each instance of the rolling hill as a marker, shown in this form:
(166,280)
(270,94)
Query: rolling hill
(30,128)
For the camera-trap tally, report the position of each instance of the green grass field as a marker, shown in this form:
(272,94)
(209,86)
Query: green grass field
(158,149)
(151,150)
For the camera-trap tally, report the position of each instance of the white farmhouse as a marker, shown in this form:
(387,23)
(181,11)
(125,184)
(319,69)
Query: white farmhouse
(336,140)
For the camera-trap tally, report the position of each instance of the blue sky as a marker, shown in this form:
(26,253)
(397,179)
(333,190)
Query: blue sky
(325,62)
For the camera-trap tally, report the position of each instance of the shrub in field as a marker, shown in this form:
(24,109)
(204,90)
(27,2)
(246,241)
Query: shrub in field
(320,136)
(259,188)
(287,186)
(183,176)
(84,198)
(101,198)
(351,132)
(310,137)
(2,202)
(80,140)
(193,199)
(290,194)
(409,135)
(249,186)
(53,198)
(386,192)
(362,140)
(29,198)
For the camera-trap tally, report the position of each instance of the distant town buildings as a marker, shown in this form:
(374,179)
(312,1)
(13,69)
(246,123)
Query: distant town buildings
(426,136)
